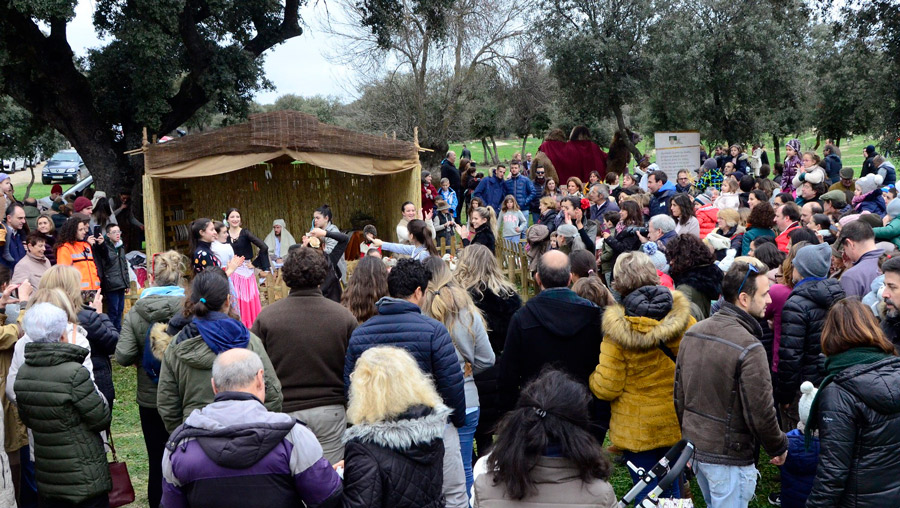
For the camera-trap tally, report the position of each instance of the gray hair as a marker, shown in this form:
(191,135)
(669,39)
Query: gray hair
(602,189)
(663,223)
(45,322)
(237,373)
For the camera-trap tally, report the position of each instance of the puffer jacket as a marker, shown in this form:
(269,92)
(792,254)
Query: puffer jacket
(833,167)
(890,232)
(701,285)
(859,434)
(799,470)
(522,189)
(112,266)
(889,172)
(707,216)
(184,378)
(401,324)
(872,203)
(723,392)
(396,463)
(146,312)
(659,200)
(103,336)
(635,374)
(58,402)
(558,485)
(799,350)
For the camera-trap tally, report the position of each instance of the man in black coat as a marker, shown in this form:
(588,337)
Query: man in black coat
(558,328)
(113,270)
(868,165)
(450,172)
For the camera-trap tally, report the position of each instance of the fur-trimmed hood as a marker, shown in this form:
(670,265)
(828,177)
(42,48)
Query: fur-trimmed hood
(159,340)
(640,332)
(419,425)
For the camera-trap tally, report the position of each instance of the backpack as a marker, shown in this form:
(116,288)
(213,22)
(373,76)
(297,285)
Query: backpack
(150,362)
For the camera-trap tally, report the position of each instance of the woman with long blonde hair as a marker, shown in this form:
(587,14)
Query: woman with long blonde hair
(396,415)
(448,302)
(101,332)
(478,272)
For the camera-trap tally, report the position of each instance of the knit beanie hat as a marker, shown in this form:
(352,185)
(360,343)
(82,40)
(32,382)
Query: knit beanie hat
(807,394)
(893,208)
(813,260)
(56,189)
(710,164)
(870,150)
(81,203)
(703,199)
(869,183)
(795,144)
(3,176)
(651,249)
(567,230)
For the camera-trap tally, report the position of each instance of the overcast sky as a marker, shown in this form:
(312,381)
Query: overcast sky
(297,66)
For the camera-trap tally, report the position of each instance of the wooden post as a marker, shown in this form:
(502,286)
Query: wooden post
(153,217)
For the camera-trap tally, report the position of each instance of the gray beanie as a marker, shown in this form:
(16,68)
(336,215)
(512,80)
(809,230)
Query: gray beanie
(567,230)
(813,260)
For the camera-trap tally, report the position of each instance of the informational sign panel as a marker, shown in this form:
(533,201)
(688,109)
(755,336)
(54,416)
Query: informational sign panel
(676,151)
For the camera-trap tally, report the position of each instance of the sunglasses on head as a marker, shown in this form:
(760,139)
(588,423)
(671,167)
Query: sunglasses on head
(750,268)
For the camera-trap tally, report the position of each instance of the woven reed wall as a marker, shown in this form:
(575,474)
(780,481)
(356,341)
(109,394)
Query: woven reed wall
(293,193)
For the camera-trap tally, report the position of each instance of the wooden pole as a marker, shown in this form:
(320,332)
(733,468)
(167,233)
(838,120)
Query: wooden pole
(153,217)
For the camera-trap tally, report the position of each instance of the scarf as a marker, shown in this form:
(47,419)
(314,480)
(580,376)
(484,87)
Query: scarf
(834,365)
(162,291)
(39,259)
(221,332)
(862,197)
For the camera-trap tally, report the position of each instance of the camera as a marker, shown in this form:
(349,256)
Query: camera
(638,230)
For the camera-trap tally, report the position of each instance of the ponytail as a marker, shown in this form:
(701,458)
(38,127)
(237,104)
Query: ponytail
(420,232)
(487,213)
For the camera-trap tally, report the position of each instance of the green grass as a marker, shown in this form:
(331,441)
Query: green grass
(851,149)
(38,190)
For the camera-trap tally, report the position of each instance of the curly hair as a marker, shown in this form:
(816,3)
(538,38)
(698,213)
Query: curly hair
(685,252)
(304,268)
(762,216)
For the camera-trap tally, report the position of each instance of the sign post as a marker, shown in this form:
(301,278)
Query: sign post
(676,151)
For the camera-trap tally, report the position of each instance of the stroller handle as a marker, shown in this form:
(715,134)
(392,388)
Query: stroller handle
(679,454)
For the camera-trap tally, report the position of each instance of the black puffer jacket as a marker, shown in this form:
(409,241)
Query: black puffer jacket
(800,352)
(859,434)
(397,463)
(625,241)
(112,266)
(103,337)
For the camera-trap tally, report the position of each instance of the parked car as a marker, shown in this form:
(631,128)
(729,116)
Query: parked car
(65,166)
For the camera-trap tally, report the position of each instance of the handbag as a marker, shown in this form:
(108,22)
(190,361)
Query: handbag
(122,492)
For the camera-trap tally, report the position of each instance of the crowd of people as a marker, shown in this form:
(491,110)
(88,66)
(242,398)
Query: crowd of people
(735,310)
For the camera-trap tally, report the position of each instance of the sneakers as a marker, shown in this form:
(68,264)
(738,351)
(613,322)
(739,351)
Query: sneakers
(775,499)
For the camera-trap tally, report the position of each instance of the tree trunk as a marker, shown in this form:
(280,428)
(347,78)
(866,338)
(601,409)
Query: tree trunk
(837,142)
(524,142)
(495,154)
(31,183)
(485,146)
(776,144)
(818,141)
(624,135)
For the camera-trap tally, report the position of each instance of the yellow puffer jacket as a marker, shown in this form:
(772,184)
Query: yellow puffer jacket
(634,374)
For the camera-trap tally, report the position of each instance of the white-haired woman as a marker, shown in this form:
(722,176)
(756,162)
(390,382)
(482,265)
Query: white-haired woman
(394,452)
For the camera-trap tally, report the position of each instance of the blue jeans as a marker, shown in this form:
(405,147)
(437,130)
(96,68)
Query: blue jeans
(115,304)
(647,460)
(726,486)
(535,217)
(466,443)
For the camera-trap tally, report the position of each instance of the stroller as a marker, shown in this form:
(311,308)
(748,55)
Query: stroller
(668,470)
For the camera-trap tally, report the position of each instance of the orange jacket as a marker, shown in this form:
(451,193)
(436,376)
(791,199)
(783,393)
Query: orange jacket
(79,255)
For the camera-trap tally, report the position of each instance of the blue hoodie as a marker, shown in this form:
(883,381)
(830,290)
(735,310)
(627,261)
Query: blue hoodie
(659,202)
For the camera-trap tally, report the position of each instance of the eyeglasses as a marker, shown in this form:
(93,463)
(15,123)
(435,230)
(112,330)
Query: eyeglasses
(750,268)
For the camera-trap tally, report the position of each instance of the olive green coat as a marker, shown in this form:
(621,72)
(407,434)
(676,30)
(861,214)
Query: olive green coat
(130,349)
(184,380)
(58,401)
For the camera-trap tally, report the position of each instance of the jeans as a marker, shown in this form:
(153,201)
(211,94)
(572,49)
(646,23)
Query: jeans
(155,437)
(726,486)
(328,423)
(115,304)
(466,444)
(513,239)
(647,460)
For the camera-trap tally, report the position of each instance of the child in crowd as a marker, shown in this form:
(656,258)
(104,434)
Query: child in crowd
(792,165)
(729,197)
(367,245)
(513,220)
(799,470)
(444,225)
(448,195)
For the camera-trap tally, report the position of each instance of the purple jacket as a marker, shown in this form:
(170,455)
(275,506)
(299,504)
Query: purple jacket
(857,280)
(235,447)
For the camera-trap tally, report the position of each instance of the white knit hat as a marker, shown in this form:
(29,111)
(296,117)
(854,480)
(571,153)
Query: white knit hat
(869,183)
(807,394)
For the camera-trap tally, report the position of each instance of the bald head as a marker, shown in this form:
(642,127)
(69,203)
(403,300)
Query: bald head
(239,370)
(554,270)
